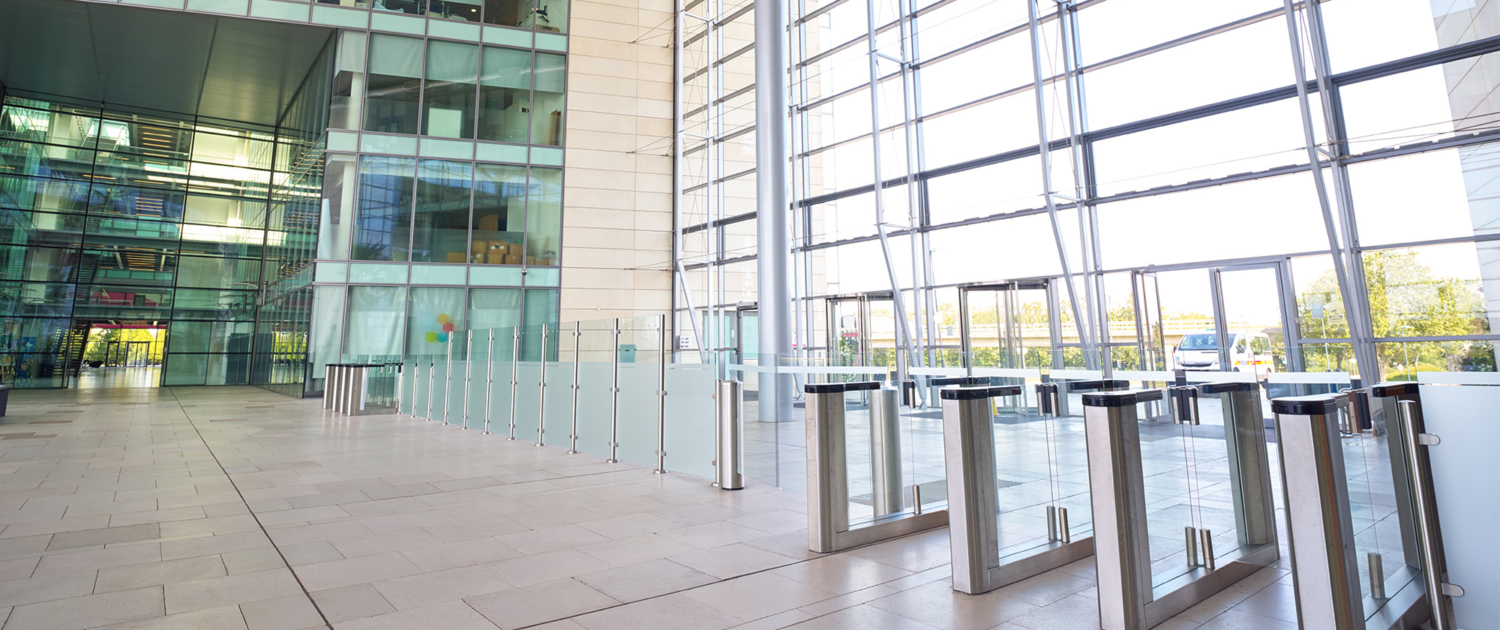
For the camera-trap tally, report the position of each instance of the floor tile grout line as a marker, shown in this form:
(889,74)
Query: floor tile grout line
(795,562)
(253,515)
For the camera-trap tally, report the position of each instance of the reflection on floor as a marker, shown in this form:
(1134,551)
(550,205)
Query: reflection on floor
(112,377)
(232,507)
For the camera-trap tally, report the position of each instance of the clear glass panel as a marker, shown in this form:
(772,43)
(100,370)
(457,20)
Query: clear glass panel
(348,81)
(336,215)
(395,83)
(547,97)
(1371,500)
(1025,474)
(499,215)
(448,98)
(1438,290)
(441,231)
(1170,495)
(435,315)
(857,454)
(505,99)
(544,217)
(595,378)
(640,379)
(374,326)
(382,224)
(465,10)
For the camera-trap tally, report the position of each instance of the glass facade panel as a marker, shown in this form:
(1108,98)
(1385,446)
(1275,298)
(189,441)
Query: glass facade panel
(505,95)
(442,212)
(376,316)
(547,99)
(394,84)
(382,223)
(544,217)
(448,97)
(435,315)
(499,214)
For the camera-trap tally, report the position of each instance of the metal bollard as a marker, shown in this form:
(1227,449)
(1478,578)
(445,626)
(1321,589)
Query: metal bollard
(330,384)
(731,408)
(885,452)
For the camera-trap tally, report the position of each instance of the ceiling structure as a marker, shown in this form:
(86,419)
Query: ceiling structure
(186,63)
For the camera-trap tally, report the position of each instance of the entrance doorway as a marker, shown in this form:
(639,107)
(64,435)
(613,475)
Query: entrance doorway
(115,353)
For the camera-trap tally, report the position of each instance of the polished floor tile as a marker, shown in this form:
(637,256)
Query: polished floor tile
(237,508)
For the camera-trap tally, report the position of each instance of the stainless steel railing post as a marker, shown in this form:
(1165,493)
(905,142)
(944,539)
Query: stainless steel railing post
(468,373)
(661,396)
(448,382)
(489,377)
(573,433)
(515,365)
(541,394)
(614,398)
(1429,534)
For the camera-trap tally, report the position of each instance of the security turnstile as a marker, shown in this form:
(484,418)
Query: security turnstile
(828,471)
(1203,519)
(1366,542)
(985,557)
(360,388)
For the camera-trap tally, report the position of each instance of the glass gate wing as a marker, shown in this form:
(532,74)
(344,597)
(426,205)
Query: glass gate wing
(831,471)
(1163,539)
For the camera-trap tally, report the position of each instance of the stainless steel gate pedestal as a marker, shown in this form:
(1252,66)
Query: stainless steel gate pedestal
(828,527)
(973,499)
(1320,517)
(731,411)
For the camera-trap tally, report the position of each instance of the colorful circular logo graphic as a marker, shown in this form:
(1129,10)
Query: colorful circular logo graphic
(445,323)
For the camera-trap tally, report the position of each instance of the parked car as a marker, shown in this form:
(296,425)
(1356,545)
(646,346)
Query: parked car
(1248,352)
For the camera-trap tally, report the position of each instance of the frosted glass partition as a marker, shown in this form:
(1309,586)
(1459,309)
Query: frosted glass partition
(458,375)
(437,399)
(479,371)
(528,402)
(557,396)
(640,379)
(422,387)
(502,373)
(520,383)
(596,347)
(408,384)
(690,415)
(1463,410)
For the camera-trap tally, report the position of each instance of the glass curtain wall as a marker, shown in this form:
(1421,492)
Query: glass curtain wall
(452,90)
(1174,146)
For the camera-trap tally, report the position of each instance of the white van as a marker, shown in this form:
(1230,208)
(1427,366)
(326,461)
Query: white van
(1248,352)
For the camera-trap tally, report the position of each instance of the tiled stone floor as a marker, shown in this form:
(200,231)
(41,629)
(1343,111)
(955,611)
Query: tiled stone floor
(210,508)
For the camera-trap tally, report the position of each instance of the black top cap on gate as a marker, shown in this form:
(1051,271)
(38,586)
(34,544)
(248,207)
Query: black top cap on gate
(1120,399)
(1386,390)
(961,380)
(834,388)
(1088,386)
(1237,386)
(971,393)
(1319,405)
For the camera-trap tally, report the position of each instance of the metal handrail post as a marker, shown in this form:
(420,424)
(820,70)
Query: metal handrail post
(573,434)
(515,364)
(661,397)
(489,378)
(468,374)
(430,369)
(614,398)
(541,394)
(448,382)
